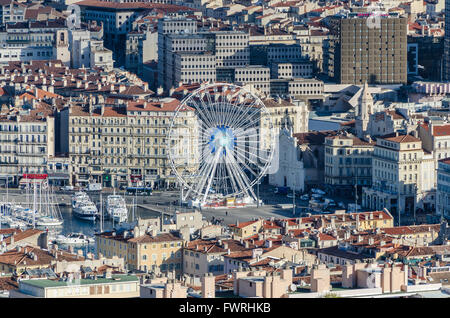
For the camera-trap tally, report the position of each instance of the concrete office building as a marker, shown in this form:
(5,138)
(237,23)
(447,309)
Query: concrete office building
(446,55)
(360,52)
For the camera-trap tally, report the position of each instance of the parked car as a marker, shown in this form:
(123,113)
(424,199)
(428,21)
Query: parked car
(304,197)
(67,188)
(318,191)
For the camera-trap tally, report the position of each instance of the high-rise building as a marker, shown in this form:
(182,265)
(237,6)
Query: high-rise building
(447,41)
(372,50)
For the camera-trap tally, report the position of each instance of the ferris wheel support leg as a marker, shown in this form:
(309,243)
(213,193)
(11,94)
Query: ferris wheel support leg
(205,170)
(213,171)
(241,178)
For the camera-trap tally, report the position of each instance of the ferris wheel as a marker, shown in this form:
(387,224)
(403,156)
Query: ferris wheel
(221,142)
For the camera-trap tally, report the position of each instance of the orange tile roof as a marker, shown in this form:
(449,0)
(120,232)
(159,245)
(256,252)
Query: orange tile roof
(243,224)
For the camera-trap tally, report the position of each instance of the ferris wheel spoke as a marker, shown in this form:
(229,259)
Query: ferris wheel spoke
(244,115)
(204,115)
(239,110)
(213,107)
(234,107)
(249,124)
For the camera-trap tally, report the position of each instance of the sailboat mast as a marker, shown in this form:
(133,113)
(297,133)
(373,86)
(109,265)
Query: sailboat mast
(101,213)
(34,205)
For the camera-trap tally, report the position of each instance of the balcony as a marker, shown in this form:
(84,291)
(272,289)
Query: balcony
(17,41)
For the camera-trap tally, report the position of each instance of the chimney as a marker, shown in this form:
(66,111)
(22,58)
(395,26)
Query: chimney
(159,91)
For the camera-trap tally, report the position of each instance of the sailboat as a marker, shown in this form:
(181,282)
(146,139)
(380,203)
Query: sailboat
(50,215)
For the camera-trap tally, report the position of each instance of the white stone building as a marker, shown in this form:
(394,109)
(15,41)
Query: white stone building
(289,172)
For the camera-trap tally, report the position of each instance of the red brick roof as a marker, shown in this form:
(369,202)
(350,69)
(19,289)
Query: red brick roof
(403,139)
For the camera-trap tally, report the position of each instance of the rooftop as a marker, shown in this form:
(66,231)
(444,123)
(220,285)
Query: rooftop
(49,283)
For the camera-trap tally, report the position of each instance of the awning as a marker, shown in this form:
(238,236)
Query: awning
(59,176)
(31,181)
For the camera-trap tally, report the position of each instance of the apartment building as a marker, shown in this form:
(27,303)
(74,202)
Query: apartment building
(266,54)
(300,88)
(178,43)
(182,28)
(26,143)
(87,50)
(126,144)
(435,136)
(312,42)
(284,53)
(117,19)
(231,48)
(39,40)
(348,163)
(292,70)
(160,253)
(361,52)
(293,113)
(204,256)
(443,188)
(195,67)
(141,47)
(254,75)
(12,11)
(396,175)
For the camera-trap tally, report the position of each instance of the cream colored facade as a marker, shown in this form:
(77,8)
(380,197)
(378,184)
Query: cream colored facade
(195,67)
(127,144)
(295,110)
(25,146)
(159,254)
(348,161)
(256,76)
(261,284)
(396,175)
